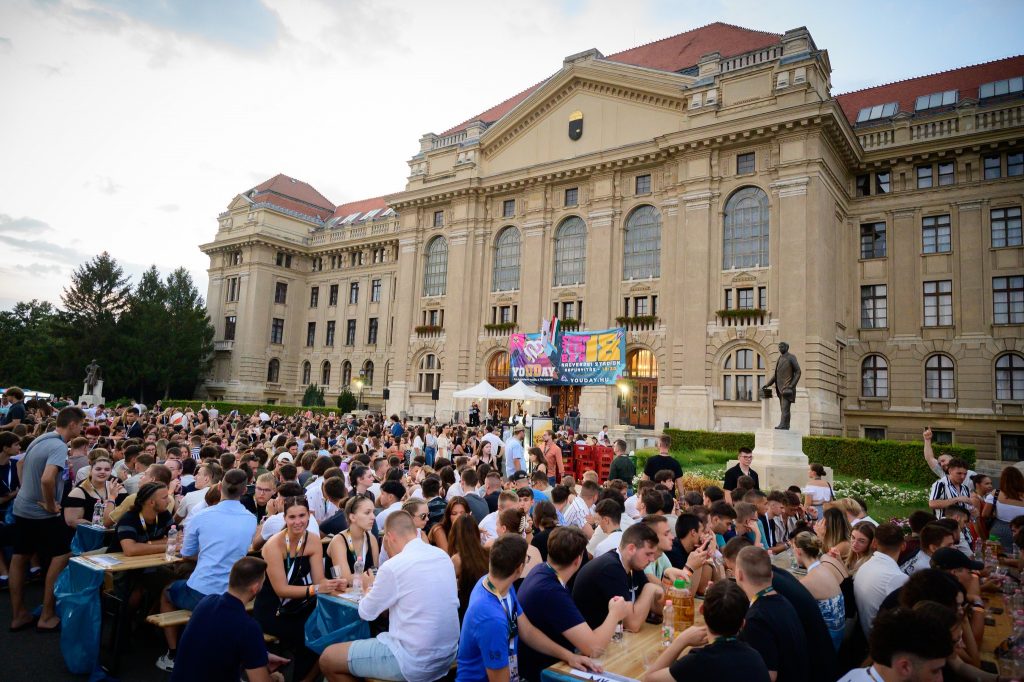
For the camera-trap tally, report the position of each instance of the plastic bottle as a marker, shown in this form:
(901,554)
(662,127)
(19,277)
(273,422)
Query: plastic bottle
(172,544)
(668,625)
(617,636)
(683,605)
(97,514)
(357,576)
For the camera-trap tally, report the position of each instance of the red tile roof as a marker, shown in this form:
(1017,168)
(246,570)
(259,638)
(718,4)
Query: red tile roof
(361,206)
(966,79)
(295,189)
(669,54)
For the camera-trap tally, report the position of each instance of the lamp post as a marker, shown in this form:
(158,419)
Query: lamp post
(359,385)
(623,399)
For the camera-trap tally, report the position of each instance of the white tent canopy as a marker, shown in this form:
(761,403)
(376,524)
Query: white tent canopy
(521,391)
(481,391)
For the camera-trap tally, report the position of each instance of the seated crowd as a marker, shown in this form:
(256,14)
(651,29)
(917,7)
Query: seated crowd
(465,560)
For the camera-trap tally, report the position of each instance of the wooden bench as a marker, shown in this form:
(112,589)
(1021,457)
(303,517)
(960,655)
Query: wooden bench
(178,618)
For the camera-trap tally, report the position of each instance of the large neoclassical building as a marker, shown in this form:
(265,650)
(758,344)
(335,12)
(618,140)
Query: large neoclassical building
(709,193)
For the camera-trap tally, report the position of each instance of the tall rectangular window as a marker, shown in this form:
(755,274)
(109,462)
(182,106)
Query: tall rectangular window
(572,196)
(643,184)
(1014,164)
(728,299)
(375,291)
(329,337)
(350,333)
(371,334)
(762,298)
(872,240)
(1006,227)
(569,310)
(924,176)
(314,297)
(882,182)
(935,234)
(232,295)
(277,330)
(438,218)
(1012,446)
(640,306)
(938,303)
(353,293)
(947,173)
(1008,300)
(229,328)
(280,292)
(874,309)
(745,298)
(863,184)
(333,300)
(745,163)
(310,333)
(993,166)
(508,208)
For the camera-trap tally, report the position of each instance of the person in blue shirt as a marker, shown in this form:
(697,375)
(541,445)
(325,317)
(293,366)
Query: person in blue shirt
(216,537)
(494,622)
(515,456)
(221,639)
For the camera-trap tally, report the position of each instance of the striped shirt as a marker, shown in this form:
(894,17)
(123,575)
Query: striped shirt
(944,489)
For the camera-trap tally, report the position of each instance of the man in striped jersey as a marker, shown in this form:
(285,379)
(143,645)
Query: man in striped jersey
(950,490)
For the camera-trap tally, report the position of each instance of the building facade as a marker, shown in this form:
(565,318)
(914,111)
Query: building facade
(709,193)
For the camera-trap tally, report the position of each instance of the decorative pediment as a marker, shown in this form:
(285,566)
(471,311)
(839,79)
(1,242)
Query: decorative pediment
(744,277)
(566,295)
(638,288)
(240,201)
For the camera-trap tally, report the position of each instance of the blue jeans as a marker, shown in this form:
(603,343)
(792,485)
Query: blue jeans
(428,455)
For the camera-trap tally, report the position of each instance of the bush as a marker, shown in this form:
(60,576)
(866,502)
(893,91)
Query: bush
(313,397)
(243,408)
(346,401)
(897,461)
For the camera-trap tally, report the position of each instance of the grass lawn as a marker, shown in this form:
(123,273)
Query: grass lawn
(885,499)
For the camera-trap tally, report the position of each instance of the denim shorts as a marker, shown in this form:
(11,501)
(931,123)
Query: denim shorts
(371,658)
(183,596)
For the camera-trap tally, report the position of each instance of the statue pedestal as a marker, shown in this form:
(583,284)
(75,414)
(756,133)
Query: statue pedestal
(779,458)
(92,398)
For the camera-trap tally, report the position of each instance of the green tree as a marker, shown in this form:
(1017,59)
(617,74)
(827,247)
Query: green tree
(26,354)
(313,397)
(190,336)
(346,401)
(145,329)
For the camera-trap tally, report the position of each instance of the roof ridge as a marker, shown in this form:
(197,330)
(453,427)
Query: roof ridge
(928,75)
(698,28)
(469,120)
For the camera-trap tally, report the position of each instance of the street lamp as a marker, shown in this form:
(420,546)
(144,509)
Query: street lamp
(359,385)
(623,393)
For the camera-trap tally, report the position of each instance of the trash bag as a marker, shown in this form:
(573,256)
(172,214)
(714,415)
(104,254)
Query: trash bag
(87,538)
(78,604)
(334,620)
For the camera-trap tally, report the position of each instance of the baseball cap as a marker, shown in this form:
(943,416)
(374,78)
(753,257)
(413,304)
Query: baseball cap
(520,475)
(948,558)
(286,457)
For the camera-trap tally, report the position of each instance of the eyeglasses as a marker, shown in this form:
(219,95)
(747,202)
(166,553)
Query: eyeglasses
(422,517)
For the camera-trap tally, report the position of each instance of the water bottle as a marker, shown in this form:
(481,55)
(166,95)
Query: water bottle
(357,576)
(617,637)
(97,514)
(172,544)
(668,628)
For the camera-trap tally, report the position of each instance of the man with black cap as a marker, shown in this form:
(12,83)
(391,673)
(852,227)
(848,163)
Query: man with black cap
(952,561)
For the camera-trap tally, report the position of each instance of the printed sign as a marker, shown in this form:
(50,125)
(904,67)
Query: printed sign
(575,358)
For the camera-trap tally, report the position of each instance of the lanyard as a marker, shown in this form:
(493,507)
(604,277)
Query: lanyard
(766,591)
(511,621)
(813,566)
(289,559)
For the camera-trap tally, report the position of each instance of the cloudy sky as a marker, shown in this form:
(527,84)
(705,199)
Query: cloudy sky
(128,125)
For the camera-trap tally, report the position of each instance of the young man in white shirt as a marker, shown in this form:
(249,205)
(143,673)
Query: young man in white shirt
(391,495)
(573,509)
(880,575)
(609,531)
(207,474)
(906,646)
(933,536)
(423,625)
(489,526)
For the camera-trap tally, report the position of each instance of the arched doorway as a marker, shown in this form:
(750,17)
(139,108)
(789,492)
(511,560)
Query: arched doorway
(637,407)
(497,376)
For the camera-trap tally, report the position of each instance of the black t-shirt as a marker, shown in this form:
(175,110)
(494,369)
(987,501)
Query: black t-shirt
(733,474)
(16,411)
(659,462)
(774,630)
(257,510)
(540,541)
(725,654)
(599,581)
(334,524)
(492,501)
(132,527)
(678,555)
(820,652)
(8,482)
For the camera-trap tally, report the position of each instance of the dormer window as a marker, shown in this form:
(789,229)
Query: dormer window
(878,111)
(938,99)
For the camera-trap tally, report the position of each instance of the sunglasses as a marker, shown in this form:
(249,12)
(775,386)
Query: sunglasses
(422,517)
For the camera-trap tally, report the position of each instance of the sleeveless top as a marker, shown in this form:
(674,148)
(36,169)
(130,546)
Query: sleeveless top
(298,572)
(350,555)
(833,611)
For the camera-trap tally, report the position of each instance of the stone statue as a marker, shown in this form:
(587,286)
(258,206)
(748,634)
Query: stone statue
(786,377)
(92,375)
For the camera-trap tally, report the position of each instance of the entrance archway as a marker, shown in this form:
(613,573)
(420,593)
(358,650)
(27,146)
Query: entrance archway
(637,408)
(497,376)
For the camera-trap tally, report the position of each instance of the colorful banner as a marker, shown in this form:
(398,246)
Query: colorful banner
(575,358)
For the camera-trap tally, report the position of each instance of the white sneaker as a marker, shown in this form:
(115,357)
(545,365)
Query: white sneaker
(165,663)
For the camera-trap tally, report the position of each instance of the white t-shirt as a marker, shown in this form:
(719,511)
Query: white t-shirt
(191,502)
(456,489)
(631,503)
(608,544)
(275,524)
(495,442)
(489,526)
(862,675)
(1005,511)
(819,494)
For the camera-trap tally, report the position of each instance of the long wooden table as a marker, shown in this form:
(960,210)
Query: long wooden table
(124,562)
(994,635)
(623,658)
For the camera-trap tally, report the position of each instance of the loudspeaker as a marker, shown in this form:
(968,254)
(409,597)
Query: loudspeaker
(387,394)
(554,399)
(435,394)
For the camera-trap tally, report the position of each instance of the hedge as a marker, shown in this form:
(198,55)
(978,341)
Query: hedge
(885,460)
(245,408)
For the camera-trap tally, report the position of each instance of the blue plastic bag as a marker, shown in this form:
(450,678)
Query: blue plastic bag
(334,620)
(87,538)
(78,604)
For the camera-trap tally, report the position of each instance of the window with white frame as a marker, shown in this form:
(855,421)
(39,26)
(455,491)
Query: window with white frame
(745,234)
(1010,377)
(506,260)
(642,248)
(570,252)
(874,377)
(435,270)
(743,374)
(939,378)
(938,303)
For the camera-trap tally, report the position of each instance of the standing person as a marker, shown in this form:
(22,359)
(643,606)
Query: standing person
(553,459)
(423,624)
(741,468)
(662,461)
(494,622)
(15,413)
(622,467)
(216,539)
(133,427)
(477,505)
(515,457)
(880,575)
(951,490)
(38,526)
(818,490)
(940,465)
(772,626)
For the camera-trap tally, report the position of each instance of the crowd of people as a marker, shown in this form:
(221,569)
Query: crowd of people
(474,550)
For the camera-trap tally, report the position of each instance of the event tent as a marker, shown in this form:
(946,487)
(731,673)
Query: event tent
(520,391)
(482,391)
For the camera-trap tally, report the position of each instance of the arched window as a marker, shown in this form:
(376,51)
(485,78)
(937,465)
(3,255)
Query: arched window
(570,252)
(874,377)
(506,261)
(307,371)
(641,257)
(346,373)
(435,270)
(939,378)
(641,364)
(387,373)
(325,374)
(368,373)
(1010,377)
(743,374)
(497,370)
(430,373)
(745,237)
(273,371)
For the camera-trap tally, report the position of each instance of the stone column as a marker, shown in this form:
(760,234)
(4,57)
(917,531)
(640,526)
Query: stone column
(694,408)
(403,374)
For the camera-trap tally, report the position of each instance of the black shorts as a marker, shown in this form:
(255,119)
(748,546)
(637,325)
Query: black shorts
(49,538)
